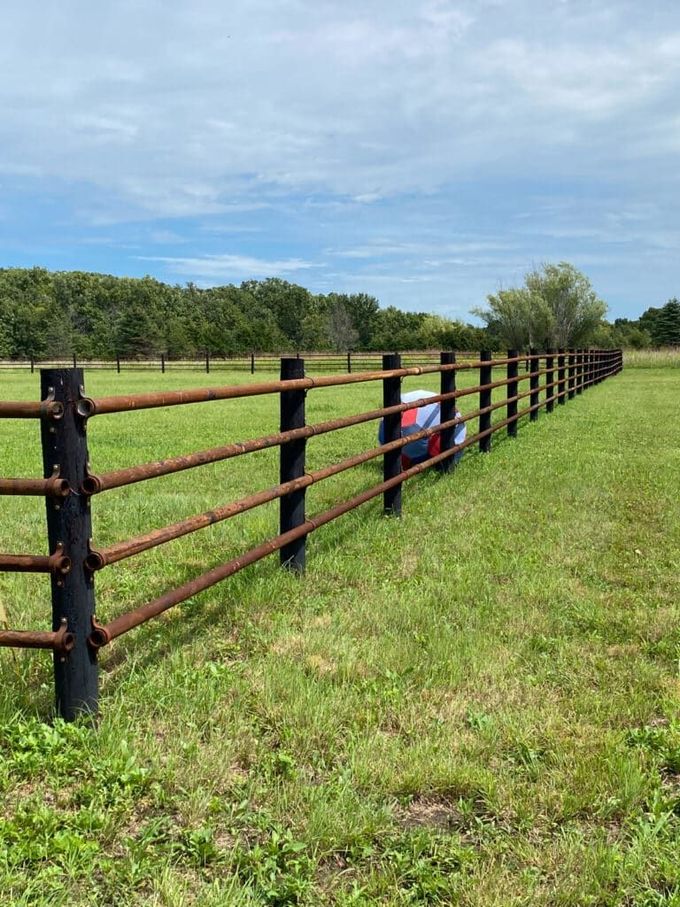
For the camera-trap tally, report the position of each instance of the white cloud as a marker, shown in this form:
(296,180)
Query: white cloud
(182,108)
(400,139)
(232,267)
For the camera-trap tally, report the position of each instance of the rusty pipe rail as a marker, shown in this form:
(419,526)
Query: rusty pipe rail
(100,558)
(52,487)
(97,559)
(128,402)
(103,634)
(95,484)
(56,563)
(60,641)
(19,409)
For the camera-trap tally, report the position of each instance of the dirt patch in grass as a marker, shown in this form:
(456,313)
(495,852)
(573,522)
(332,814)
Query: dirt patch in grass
(430,812)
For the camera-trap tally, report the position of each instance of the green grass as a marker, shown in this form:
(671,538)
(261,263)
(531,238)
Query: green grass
(475,705)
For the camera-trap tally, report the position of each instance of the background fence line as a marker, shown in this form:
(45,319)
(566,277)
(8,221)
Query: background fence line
(348,361)
(68,485)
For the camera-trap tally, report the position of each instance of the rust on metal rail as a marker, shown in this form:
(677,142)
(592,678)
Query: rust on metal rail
(94,484)
(99,558)
(56,563)
(127,402)
(54,487)
(18,409)
(61,641)
(102,635)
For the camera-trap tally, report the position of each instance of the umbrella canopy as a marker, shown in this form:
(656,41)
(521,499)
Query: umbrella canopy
(415,420)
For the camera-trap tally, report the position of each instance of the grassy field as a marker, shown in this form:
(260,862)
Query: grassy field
(475,705)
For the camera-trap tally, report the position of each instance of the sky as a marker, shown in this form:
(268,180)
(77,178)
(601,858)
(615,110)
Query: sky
(428,152)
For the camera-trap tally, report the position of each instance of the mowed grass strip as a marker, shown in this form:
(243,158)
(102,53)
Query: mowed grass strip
(476,704)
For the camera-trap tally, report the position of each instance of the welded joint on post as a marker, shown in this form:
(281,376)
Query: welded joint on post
(85,407)
(56,487)
(51,408)
(64,640)
(99,637)
(59,563)
(91,484)
(95,560)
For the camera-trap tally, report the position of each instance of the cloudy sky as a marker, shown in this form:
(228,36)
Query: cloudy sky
(428,152)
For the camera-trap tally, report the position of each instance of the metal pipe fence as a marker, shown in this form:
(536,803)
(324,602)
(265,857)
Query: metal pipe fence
(69,486)
(348,361)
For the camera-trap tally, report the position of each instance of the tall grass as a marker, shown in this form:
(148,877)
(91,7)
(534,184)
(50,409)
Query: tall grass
(666,357)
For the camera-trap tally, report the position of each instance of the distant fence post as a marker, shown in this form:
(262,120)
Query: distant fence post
(571,371)
(75,363)
(349,362)
(447,408)
(549,379)
(485,373)
(561,383)
(32,364)
(118,364)
(512,372)
(392,432)
(252,363)
(292,464)
(534,396)
(162,364)
(207,362)
(69,528)
(579,371)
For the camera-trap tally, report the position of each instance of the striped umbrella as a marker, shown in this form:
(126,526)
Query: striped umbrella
(415,420)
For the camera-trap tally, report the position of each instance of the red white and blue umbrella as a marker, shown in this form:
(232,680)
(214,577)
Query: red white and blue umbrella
(415,420)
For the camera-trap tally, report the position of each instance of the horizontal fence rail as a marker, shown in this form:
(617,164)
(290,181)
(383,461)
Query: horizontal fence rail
(349,361)
(532,381)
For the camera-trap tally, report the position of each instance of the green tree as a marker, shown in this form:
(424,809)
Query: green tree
(341,330)
(556,307)
(517,319)
(666,330)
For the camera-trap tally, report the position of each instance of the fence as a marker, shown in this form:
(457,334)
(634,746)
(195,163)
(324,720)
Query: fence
(350,361)
(69,487)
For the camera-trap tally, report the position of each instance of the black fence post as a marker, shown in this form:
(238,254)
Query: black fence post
(512,372)
(32,364)
(118,364)
(447,408)
(579,371)
(571,373)
(561,383)
(292,464)
(349,362)
(485,373)
(162,364)
(534,396)
(252,363)
(69,528)
(207,362)
(75,363)
(549,379)
(392,432)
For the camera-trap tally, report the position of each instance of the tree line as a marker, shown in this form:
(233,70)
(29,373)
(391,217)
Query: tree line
(47,314)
